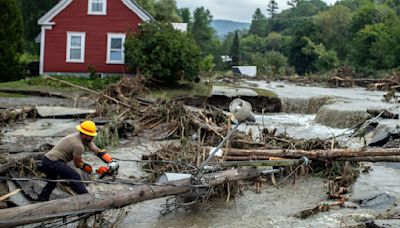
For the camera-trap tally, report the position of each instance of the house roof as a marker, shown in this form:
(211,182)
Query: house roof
(61,5)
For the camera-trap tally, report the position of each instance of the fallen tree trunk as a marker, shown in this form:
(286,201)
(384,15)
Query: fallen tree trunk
(283,162)
(371,159)
(336,154)
(39,212)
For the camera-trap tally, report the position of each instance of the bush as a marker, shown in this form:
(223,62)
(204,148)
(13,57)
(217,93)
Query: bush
(163,53)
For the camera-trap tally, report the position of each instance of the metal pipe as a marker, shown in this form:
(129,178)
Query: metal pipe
(218,147)
(271,171)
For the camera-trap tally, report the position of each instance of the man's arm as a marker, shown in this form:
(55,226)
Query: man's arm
(77,157)
(94,148)
(102,154)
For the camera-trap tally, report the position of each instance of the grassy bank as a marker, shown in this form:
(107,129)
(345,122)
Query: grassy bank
(43,84)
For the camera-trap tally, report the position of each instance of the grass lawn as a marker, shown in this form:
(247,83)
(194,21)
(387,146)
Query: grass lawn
(2,94)
(43,84)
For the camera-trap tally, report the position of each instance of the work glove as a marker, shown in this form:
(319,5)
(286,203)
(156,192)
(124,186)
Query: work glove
(87,168)
(103,155)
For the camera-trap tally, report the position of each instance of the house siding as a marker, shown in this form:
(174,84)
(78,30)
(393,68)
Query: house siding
(75,18)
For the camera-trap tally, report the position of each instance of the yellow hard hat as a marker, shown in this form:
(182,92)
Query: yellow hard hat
(88,128)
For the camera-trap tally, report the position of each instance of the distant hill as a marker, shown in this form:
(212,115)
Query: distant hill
(223,27)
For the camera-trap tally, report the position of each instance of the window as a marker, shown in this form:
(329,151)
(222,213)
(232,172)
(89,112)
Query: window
(115,48)
(97,7)
(76,47)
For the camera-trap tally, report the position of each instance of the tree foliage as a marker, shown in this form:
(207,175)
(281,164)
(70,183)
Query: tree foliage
(148,5)
(258,24)
(375,47)
(161,52)
(334,29)
(371,14)
(235,50)
(202,31)
(166,11)
(272,8)
(10,40)
(31,12)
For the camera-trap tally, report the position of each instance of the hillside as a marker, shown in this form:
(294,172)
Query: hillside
(223,27)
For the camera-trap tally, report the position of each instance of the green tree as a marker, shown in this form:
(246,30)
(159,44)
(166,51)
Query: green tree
(31,12)
(375,47)
(166,11)
(148,5)
(371,14)
(274,41)
(235,50)
(161,52)
(323,60)
(253,43)
(202,31)
(258,24)
(269,63)
(186,17)
(10,40)
(272,7)
(288,21)
(302,62)
(334,29)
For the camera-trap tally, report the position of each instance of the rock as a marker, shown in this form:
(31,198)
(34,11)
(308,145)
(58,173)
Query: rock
(18,199)
(381,201)
(383,131)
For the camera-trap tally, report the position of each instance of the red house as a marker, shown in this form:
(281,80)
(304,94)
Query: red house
(76,34)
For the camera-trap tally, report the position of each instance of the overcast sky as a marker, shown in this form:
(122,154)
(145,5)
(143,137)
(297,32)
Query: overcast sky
(236,10)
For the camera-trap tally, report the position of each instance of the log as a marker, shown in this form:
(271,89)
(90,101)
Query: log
(245,158)
(371,159)
(39,212)
(335,154)
(283,162)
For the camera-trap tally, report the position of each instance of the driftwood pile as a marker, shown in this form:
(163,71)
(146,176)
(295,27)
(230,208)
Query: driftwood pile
(344,77)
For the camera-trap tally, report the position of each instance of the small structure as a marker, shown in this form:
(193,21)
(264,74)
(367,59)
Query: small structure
(78,34)
(250,71)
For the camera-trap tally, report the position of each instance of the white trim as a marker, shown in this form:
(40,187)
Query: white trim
(42,48)
(82,48)
(109,37)
(144,15)
(62,4)
(90,9)
(45,19)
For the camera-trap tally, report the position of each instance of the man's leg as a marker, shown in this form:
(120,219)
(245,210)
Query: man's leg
(66,172)
(50,186)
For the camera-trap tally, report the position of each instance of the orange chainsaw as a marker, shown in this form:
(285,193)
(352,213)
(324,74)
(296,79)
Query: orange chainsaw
(110,170)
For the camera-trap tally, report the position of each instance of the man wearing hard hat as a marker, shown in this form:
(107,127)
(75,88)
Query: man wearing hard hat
(69,148)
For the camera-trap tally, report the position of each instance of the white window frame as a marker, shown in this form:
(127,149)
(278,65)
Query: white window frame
(82,35)
(109,37)
(90,9)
